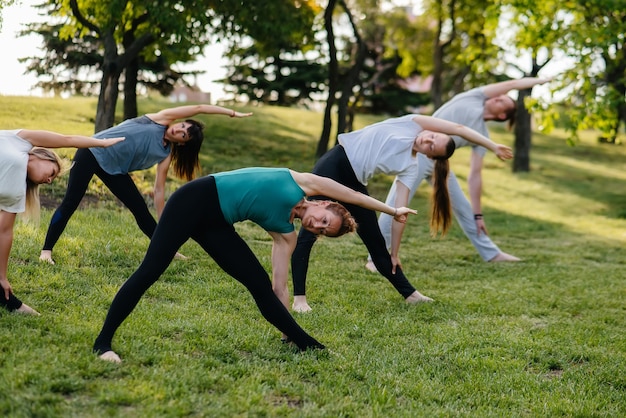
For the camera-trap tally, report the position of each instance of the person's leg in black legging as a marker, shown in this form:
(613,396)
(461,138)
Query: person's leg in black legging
(370,234)
(181,216)
(12,304)
(236,258)
(123,187)
(335,165)
(83,169)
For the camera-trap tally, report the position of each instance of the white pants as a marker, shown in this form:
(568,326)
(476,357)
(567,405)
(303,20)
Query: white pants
(460,206)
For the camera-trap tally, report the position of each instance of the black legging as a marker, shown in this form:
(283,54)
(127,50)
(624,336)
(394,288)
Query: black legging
(12,303)
(335,165)
(121,185)
(193,211)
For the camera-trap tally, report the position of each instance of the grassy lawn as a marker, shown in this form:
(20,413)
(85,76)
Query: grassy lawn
(542,337)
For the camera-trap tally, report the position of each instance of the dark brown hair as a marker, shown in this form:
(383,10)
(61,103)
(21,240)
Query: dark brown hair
(440,209)
(185,159)
(510,116)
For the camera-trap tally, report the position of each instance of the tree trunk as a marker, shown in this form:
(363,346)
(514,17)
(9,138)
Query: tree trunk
(107,99)
(130,89)
(521,156)
(333,77)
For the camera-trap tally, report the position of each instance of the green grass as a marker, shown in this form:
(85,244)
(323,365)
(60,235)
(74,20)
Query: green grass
(543,337)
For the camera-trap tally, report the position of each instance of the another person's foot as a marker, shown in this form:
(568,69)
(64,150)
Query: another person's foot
(300,304)
(179,256)
(502,256)
(417,297)
(27,310)
(46,255)
(110,356)
(371,267)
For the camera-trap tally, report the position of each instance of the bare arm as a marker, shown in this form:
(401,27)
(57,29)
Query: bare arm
(503,87)
(440,125)
(50,139)
(7,220)
(282,248)
(475,186)
(159,185)
(167,116)
(318,185)
(397,228)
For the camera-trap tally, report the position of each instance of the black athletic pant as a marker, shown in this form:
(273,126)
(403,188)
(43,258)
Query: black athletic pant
(12,303)
(193,211)
(335,165)
(121,185)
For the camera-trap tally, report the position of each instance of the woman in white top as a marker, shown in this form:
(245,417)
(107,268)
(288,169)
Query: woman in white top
(25,163)
(389,147)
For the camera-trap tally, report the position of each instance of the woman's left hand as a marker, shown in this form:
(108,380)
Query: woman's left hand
(503,152)
(402,213)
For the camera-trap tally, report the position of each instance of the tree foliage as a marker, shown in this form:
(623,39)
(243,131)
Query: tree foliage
(594,36)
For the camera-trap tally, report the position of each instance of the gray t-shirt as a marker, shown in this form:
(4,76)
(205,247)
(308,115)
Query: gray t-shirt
(142,148)
(467,109)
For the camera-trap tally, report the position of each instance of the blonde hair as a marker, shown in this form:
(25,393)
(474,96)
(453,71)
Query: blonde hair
(33,205)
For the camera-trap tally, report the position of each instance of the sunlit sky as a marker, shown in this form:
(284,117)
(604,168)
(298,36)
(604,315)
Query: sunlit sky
(13,81)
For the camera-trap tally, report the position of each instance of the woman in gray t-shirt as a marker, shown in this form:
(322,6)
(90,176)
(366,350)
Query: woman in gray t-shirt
(155,138)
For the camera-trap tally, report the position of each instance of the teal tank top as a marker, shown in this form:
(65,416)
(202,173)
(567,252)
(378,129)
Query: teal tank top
(142,148)
(264,196)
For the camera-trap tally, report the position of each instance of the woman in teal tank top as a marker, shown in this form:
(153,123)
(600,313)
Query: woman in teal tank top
(205,211)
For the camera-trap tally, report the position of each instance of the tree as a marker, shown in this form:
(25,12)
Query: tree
(531,24)
(594,35)
(450,41)
(138,25)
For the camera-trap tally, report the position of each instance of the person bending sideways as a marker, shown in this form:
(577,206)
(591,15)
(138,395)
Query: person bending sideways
(473,108)
(206,209)
(160,138)
(389,147)
(25,163)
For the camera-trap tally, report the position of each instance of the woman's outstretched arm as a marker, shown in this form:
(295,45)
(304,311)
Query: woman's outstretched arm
(440,125)
(49,139)
(317,185)
(169,115)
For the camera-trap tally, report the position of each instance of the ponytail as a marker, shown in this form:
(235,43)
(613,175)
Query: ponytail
(441,211)
(440,208)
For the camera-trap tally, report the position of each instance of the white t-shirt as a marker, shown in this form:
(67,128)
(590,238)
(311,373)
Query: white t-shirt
(467,109)
(384,147)
(13,171)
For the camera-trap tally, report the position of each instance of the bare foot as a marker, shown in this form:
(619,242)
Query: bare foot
(417,297)
(300,304)
(371,267)
(110,356)
(46,255)
(504,257)
(179,256)
(27,310)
